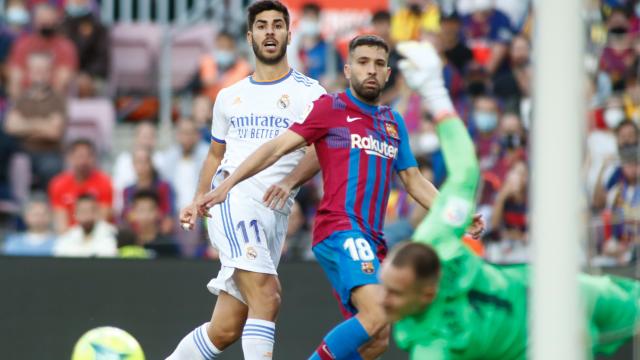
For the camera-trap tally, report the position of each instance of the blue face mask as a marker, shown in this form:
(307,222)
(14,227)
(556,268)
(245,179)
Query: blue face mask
(74,10)
(225,58)
(485,121)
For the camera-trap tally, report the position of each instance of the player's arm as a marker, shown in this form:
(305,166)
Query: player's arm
(277,194)
(265,156)
(421,189)
(452,210)
(219,129)
(211,162)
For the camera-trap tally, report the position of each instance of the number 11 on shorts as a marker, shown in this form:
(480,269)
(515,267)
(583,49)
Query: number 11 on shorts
(359,249)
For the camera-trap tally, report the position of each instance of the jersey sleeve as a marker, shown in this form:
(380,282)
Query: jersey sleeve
(405,157)
(219,123)
(313,125)
(453,208)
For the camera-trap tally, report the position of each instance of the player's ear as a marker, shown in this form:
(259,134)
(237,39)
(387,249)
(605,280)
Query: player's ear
(428,293)
(347,70)
(388,74)
(289,37)
(249,37)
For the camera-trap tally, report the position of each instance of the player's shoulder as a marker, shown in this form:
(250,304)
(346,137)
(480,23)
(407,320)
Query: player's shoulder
(303,80)
(330,101)
(239,87)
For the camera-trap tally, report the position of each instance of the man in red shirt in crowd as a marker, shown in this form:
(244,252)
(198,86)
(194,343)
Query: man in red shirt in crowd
(82,177)
(44,39)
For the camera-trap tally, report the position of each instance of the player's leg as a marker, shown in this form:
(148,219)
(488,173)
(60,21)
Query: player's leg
(260,232)
(351,265)
(230,312)
(211,338)
(262,293)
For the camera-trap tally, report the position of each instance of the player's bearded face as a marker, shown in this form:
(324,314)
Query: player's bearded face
(367,72)
(269,37)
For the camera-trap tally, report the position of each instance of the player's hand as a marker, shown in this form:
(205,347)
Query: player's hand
(421,63)
(277,195)
(189,216)
(422,70)
(477,226)
(213,197)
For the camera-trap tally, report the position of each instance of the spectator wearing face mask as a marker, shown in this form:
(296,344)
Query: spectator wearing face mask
(611,171)
(484,121)
(602,142)
(16,18)
(311,48)
(618,55)
(416,16)
(512,141)
(45,38)
(223,67)
(91,40)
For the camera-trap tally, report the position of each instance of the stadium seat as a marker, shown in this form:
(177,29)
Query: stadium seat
(187,48)
(134,53)
(93,119)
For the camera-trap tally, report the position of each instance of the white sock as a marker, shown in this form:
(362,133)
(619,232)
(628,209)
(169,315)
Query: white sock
(196,345)
(258,337)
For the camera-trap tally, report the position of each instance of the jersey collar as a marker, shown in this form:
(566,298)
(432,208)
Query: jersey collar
(281,79)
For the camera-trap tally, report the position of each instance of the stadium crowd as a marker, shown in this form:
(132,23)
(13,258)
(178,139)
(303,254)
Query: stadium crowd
(64,195)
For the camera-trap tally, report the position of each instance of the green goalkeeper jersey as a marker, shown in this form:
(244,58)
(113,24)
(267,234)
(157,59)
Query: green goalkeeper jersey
(480,310)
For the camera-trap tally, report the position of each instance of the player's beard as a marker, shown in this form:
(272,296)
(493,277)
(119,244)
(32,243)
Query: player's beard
(368,94)
(269,60)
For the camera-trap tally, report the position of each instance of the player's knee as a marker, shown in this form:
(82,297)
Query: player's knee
(224,337)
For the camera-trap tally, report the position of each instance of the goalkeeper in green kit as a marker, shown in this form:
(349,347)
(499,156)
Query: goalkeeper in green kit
(446,302)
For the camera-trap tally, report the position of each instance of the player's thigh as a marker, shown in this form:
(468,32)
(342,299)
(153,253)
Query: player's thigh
(257,287)
(350,262)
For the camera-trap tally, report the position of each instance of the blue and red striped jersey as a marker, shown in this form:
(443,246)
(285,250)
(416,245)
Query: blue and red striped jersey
(358,147)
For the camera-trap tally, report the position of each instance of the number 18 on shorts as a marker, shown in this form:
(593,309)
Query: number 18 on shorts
(350,260)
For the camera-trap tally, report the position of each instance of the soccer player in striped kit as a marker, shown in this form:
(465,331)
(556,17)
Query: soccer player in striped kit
(359,144)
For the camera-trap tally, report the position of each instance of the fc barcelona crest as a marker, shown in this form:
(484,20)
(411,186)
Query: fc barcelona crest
(391,130)
(367,267)
(284,101)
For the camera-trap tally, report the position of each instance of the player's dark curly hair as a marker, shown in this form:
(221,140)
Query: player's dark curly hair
(368,40)
(265,5)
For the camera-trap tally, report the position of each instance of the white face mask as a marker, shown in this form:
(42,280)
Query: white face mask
(17,16)
(309,28)
(613,117)
(428,143)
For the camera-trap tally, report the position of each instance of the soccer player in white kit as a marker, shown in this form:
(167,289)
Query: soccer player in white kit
(249,235)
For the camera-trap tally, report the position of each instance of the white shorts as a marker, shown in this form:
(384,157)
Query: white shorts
(248,236)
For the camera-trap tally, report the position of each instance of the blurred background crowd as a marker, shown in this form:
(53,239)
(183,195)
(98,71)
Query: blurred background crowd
(105,113)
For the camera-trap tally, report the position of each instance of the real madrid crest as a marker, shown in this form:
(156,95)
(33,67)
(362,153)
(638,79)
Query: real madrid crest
(284,101)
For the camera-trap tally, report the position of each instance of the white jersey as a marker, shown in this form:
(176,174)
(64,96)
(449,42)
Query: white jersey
(248,113)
